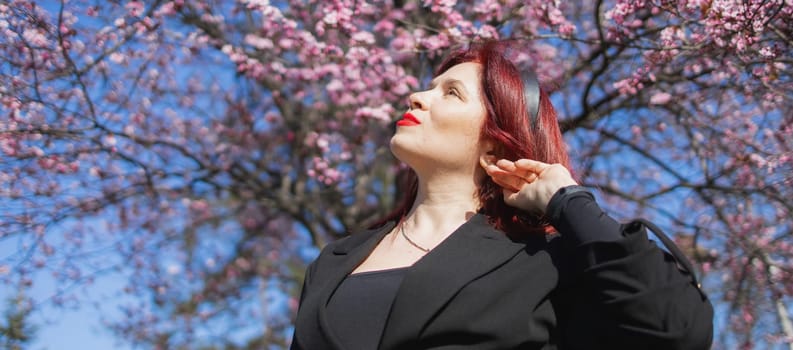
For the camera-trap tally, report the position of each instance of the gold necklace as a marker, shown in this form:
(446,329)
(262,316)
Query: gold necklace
(402,230)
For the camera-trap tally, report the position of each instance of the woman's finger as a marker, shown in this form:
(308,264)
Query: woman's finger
(504,179)
(508,182)
(531,165)
(527,174)
(506,164)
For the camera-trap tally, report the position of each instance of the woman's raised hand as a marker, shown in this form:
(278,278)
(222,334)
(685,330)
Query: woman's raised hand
(528,184)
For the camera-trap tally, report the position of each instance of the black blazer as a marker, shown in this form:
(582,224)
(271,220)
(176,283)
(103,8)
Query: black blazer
(480,290)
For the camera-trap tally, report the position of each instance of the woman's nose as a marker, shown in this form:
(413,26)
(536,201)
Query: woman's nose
(417,101)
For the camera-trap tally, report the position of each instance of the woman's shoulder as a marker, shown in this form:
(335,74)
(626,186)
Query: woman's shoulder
(551,245)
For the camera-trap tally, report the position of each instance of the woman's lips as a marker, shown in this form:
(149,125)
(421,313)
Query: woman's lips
(408,120)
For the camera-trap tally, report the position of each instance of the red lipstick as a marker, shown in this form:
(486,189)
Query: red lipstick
(408,120)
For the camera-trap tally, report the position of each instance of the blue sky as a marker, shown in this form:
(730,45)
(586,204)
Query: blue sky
(68,327)
(77,325)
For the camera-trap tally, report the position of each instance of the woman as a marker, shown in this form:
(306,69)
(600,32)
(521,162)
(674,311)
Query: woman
(496,247)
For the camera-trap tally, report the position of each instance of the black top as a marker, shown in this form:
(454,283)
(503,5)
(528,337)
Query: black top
(597,284)
(358,309)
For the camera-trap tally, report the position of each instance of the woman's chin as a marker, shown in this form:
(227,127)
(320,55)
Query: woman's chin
(400,151)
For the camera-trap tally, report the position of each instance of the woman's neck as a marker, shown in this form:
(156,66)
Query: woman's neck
(442,204)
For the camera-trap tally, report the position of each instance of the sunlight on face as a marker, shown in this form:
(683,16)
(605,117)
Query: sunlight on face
(442,127)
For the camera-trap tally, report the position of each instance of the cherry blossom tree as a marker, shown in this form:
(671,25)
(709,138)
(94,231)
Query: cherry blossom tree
(204,150)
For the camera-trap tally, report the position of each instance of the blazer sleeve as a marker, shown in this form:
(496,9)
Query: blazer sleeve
(618,289)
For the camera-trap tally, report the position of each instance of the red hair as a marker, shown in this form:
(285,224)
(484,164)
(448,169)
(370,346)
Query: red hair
(508,126)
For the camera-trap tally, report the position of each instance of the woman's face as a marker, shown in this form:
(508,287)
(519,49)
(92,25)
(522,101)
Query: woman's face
(441,130)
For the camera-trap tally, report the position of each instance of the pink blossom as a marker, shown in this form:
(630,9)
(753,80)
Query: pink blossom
(117,57)
(488,8)
(364,37)
(167,9)
(384,26)
(135,8)
(625,86)
(258,42)
(567,29)
(660,98)
(35,37)
(382,112)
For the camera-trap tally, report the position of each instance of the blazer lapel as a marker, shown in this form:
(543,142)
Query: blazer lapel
(346,257)
(473,250)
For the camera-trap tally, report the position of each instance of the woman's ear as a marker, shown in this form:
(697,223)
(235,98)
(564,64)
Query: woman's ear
(486,159)
(487,153)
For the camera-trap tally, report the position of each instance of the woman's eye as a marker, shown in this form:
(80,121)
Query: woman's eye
(453,92)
